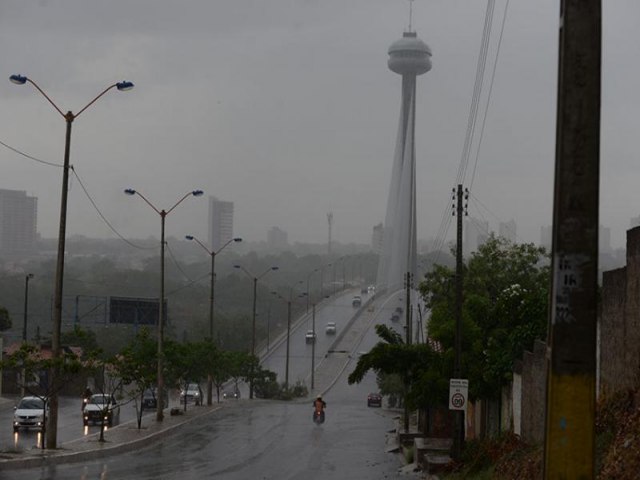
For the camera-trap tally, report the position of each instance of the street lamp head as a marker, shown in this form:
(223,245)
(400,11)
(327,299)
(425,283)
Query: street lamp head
(197,193)
(124,86)
(30,275)
(189,237)
(18,79)
(129,191)
(275,268)
(237,266)
(237,239)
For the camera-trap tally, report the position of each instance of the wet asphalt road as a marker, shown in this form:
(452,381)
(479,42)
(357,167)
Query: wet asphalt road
(258,439)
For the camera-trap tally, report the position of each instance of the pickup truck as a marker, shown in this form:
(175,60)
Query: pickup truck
(357,301)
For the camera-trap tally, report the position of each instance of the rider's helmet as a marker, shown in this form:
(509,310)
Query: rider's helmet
(319,397)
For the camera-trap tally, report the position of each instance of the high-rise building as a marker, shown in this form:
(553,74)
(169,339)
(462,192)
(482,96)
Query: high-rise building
(507,230)
(18,221)
(476,233)
(277,239)
(377,238)
(409,57)
(220,223)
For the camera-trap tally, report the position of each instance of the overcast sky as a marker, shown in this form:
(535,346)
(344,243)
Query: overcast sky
(287,108)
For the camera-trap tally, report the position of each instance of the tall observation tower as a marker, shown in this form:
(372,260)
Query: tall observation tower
(409,57)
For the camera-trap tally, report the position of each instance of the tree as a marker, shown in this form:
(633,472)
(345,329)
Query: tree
(424,379)
(37,369)
(504,310)
(5,319)
(137,365)
(187,363)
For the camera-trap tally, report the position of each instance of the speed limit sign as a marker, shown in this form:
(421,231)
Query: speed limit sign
(458,391)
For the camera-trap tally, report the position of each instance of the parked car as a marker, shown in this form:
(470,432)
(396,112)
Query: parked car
(193,393)
(150,399)
(374,400)
(29,413)
(331,328)
(99,406)
(231,394)
(310,336)
(357,301)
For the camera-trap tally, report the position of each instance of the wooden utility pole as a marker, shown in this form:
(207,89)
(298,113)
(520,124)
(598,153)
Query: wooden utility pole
(458,433)
(571,382)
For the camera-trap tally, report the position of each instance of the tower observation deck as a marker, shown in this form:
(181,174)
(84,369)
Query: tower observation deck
(409,56)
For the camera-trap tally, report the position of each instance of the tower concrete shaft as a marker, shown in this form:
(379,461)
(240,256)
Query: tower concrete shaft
(408,57)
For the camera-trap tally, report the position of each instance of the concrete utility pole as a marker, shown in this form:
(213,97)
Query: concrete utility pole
(458,435)
(571,382)
(330,222)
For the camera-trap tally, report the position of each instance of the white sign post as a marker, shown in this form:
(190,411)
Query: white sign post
(458,393)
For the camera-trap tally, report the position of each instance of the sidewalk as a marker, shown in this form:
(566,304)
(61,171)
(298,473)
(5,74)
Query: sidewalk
(121,438)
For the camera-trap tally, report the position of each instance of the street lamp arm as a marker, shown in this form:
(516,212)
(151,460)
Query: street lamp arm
(266,271)
(131,191)
(21,80)
(195,193)
(191,237)
(94,100)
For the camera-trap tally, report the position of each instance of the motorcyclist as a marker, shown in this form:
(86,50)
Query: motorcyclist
(86,395)
(319,404)
(318,409)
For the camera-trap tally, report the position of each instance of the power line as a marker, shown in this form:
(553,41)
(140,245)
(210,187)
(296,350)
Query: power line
(19,152)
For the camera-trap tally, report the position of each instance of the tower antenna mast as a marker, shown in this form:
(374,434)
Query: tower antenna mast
(410,13)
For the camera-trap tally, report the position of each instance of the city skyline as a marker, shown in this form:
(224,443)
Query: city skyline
(289,111)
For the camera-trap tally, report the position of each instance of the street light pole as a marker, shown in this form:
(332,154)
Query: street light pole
(161,314)
(253,321)
(69,117)
(313,347)
(213,254)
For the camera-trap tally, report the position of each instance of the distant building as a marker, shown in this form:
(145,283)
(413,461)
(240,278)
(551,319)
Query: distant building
(475,232)
(277,239)
(507,230)
(220,222)
(18,221)
(377,238)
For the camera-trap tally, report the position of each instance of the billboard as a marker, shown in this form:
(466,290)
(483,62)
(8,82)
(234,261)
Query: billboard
(135,311)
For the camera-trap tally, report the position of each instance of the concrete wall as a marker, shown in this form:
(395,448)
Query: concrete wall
(533,396)
(620,322)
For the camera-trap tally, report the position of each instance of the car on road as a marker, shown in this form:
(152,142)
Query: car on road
(29,413)
(101,406)
(193,393)
(374,400)
(310,336)
(331,328)
(231,394)
(395,317)
(364,290)
(150,399)
(357,301)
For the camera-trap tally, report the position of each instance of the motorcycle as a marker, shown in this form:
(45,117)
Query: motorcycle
(318,416)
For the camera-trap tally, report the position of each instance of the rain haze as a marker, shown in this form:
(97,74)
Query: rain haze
(287,108)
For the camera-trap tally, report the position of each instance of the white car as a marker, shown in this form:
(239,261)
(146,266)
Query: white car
(101,406)
(193,393)
(310,336)
(29,413)
(331,328)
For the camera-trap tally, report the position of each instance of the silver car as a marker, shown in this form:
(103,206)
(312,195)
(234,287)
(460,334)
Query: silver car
(29,413)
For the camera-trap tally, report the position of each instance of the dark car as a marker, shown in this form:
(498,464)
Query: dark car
(395,317)
(231,394)
(101,407)
(150,399)
(374,400)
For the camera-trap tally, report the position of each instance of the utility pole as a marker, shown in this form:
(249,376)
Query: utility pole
(313,347)
(330,221)
(458,438)
(571,381)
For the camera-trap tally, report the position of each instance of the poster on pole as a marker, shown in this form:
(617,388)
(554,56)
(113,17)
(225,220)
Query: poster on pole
(458,393)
